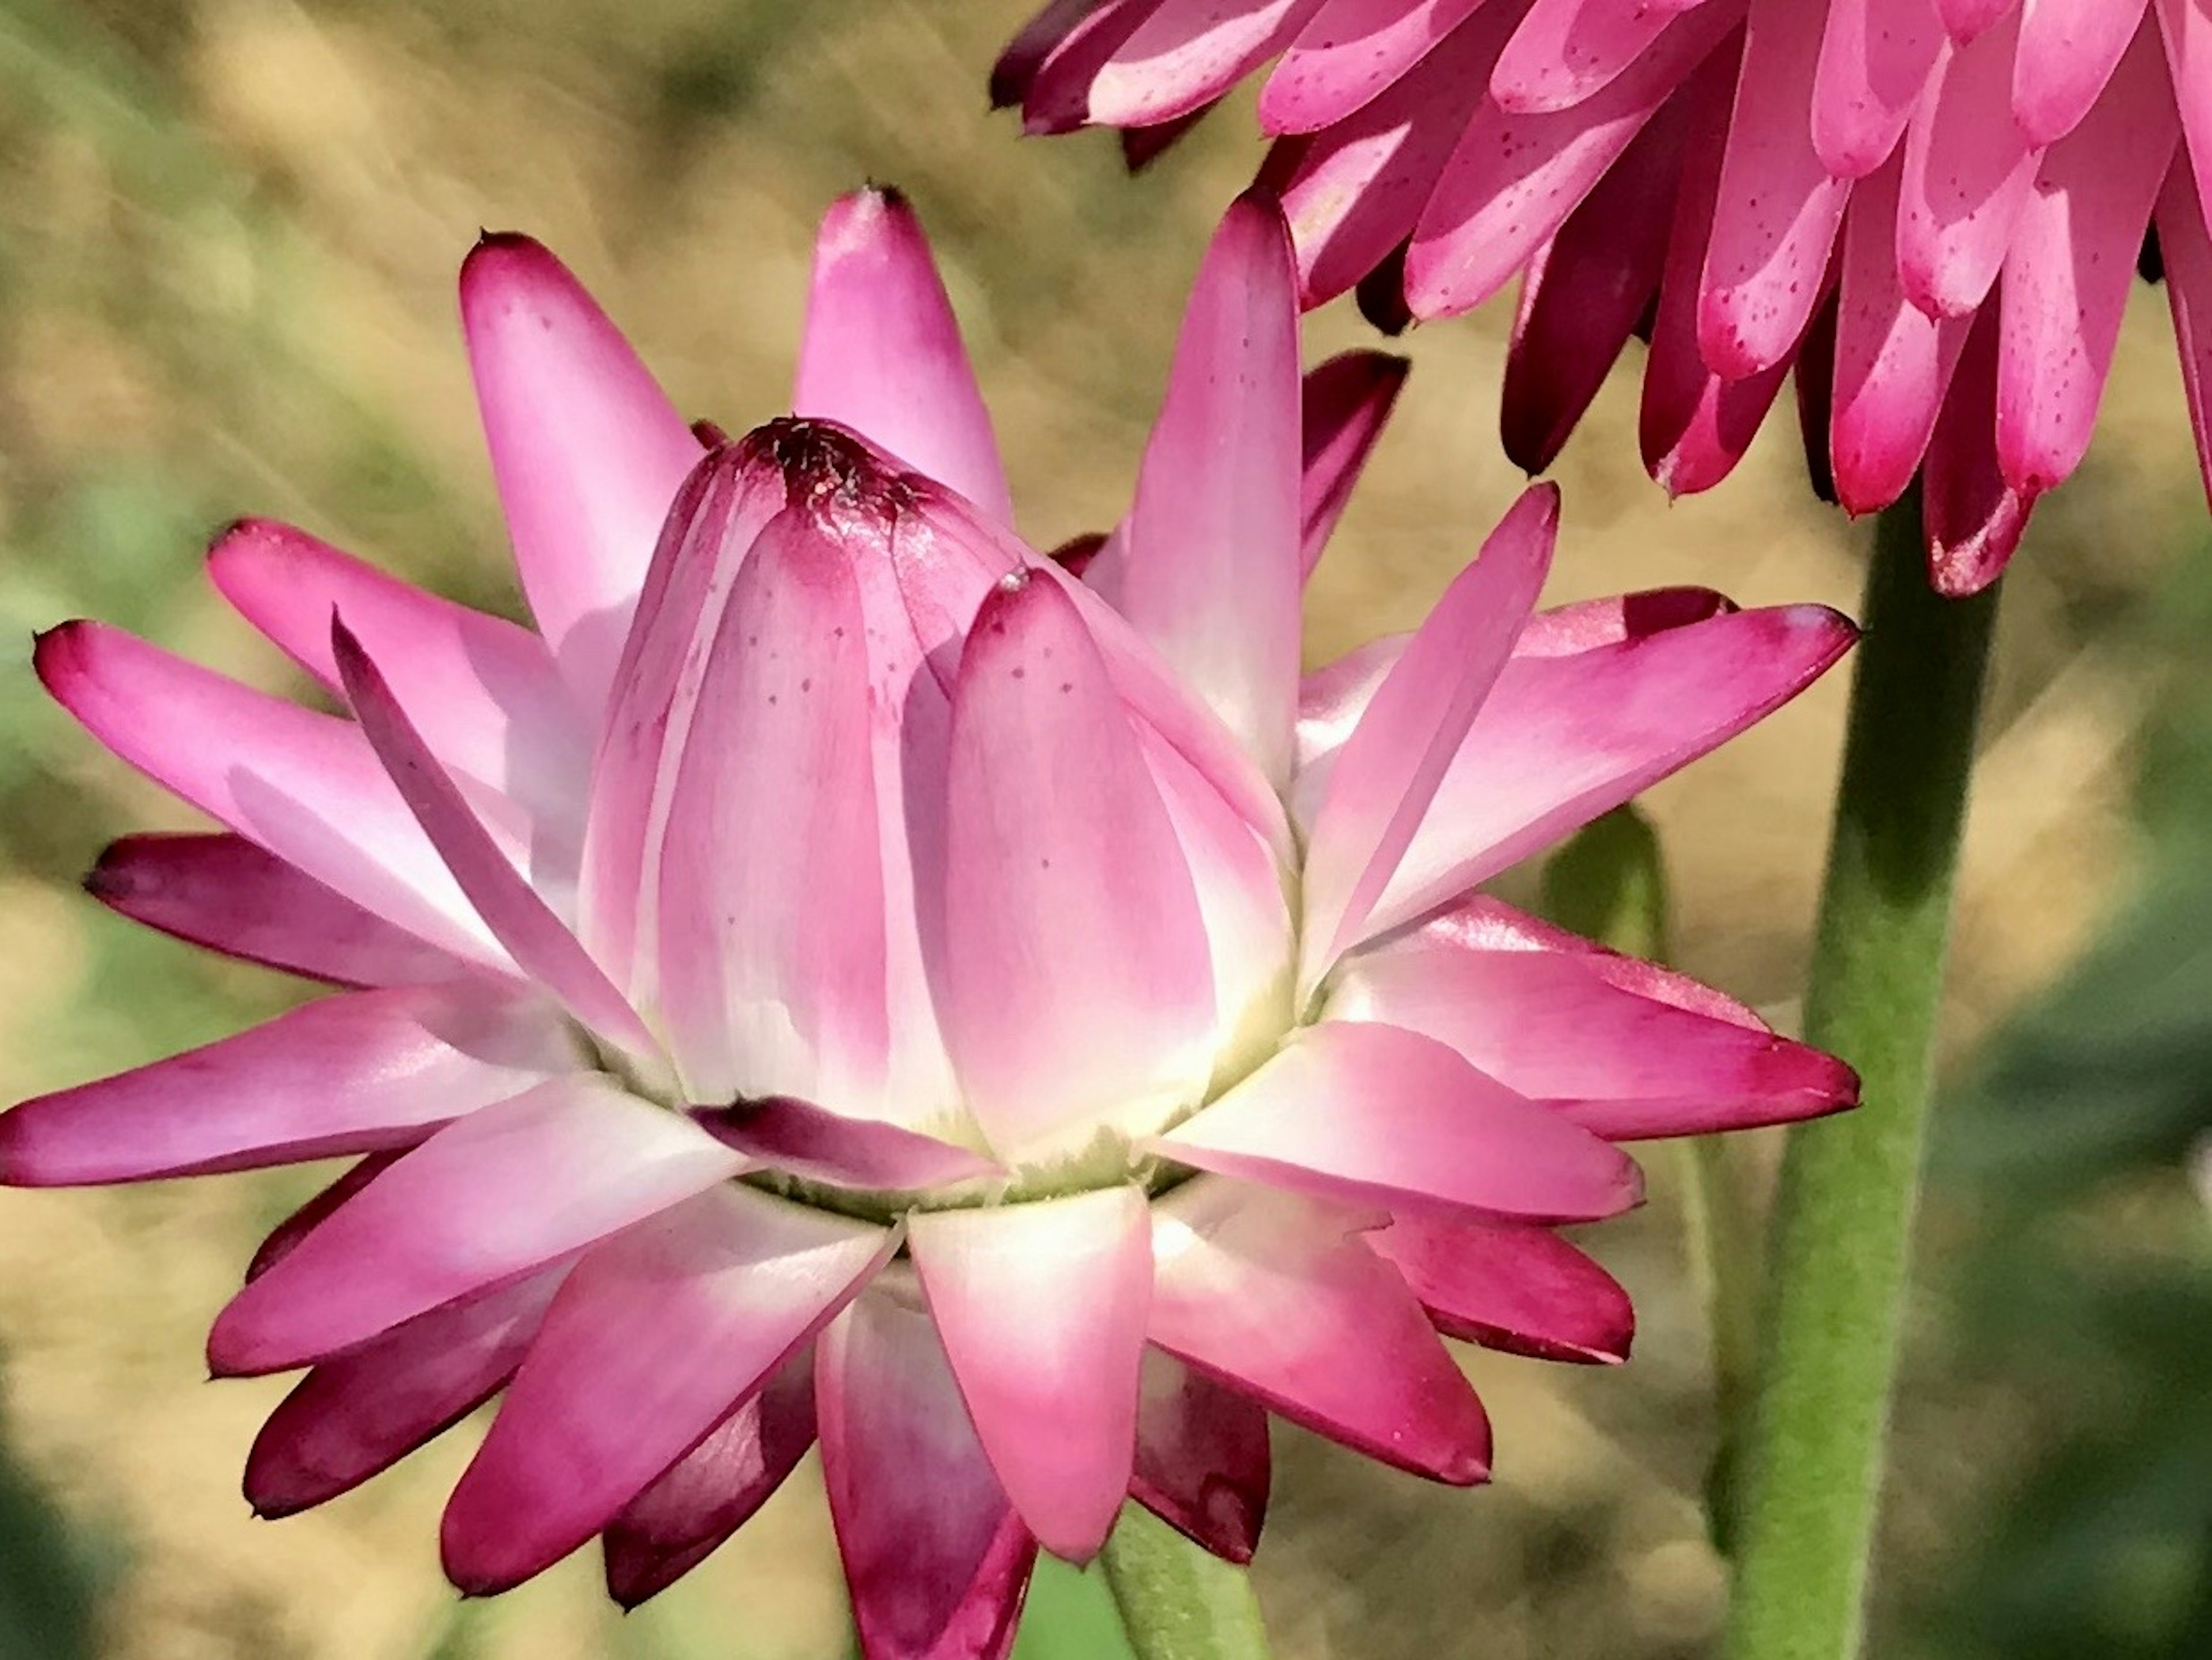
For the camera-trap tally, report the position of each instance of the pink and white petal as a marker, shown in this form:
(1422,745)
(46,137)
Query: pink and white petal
(1346,402)
(1042,1309)
(1567,51)
(1347,54)
(1057,96)
(1875,58)
(654,1339)
(1071,917)
(2187,249)
(1279,1298)
(1203,1461)
(882,353)
(586,448)
(771,971)
(1586,624)
(1367,1113)
(357,1415)
(1207,565)
(936,1559)
(2068,52)
(304,786)
(355,1073)
(221,891)
(1968,170)
(534,936)
(1017,66)
(2066,271)
(806,1140)
(1523,1290)
(493,1196)
(1188,52)
(1553,1027)
(1384,778)
(714,1489)
(1973,518)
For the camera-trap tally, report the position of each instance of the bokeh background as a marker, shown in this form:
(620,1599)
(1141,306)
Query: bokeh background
(228,232)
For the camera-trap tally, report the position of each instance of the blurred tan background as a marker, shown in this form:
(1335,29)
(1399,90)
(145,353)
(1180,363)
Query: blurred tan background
(228,232)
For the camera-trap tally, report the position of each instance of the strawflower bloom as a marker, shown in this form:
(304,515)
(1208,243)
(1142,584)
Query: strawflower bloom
(844,978)
(1931,207)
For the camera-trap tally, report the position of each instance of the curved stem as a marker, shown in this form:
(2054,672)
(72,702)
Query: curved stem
(1177,1602)
(1843,1211)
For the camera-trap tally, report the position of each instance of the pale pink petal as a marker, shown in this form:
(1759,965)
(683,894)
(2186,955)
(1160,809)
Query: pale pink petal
(1347,402)
(223,892)
(1280,1298)
(1966,19)
(1057,97)
(821,1146)
(1383,783)
(2187,250)
(537,939)
(1968,168)
(2068,269)
(1973,519)
(348,1074)
(1875,62)
(1202,1462)
(2068,52)
(492,1196)
(1586,624)
(351,1418)
(714,1489)
(881,352)
(1207,565)
(1347,53)
(1521,1289)
(935,1557)
(304,786)
(1565,51)
(1042,1308)
(586,448)
(1374,1114)
(1036,41)
(1071,919)
(1188,52)
(653,1339)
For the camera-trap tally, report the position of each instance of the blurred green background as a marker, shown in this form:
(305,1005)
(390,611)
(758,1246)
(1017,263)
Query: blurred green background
(229,230)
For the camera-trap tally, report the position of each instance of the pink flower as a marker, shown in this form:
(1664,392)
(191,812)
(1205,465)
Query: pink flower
(1931,207)
(846,978)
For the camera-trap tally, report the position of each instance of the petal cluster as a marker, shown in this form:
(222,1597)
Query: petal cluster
(1932,208)
(844,978)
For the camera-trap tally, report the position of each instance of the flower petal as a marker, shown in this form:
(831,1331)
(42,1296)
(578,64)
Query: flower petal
(2187,248)
(1347,53)
(2068,52)
(1346,401)
(1567,51)
(812,1142)
(1017,67)
(1058,94)
(1522,1290)
(504,1190)
(1041,1310)
(1202,1462)
(1967,172)
(355,1073)
(1188,52)
(654,1338)
(1875,56)
(1973,519)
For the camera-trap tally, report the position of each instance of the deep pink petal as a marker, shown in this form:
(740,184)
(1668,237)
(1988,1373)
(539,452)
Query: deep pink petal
(1017,67)
(1202,1462)
(1875,56)
(587,450)
(1567,51)
(1521,1289)
(1280,1298)
(2068,52)
(1347,402)
(351,1418)
(491,1197)
(1188,52)
(281,1240)
(223,892)
(935,1557)
(1967,18)
(1041,1310)
(881,352)
(2185,26)
(1348,52)
(1973,519)
(653,1339)
(2187,250)
(821,1146)
(1968,168)
(349,1073)
(1057,96)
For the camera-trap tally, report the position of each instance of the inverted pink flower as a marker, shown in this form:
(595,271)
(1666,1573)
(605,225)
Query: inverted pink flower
(1931,207)
(844,978)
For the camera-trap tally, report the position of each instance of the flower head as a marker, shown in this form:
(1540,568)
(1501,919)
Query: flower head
(1931,207)
(843,977)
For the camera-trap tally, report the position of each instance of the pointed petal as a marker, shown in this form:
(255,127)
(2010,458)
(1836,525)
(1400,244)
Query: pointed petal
(2068,52)
(1202,1462)
(1058,94)
(714,1489)
(1522,1290)
(587,450)
(1017,67)
(1972,517)
(504,1190)
(1875,56)
(1347,53)
(1383,783)
(653,1339)
(1968,171)
(1280,1298)
(280,1241)
(350,1073)
(224,893)
(1188,52)
(1567,51)
(1072,923)
(354,1417)
(881,351)
(1347,402)
(812,1142)
(936,1558)
(1041,1310)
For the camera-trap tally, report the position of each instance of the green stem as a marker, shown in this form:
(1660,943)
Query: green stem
(1843,1211)
(1177,1602)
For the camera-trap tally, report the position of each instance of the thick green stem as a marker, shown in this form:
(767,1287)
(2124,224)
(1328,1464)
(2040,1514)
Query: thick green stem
(1177,1602)
(1843,1211)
